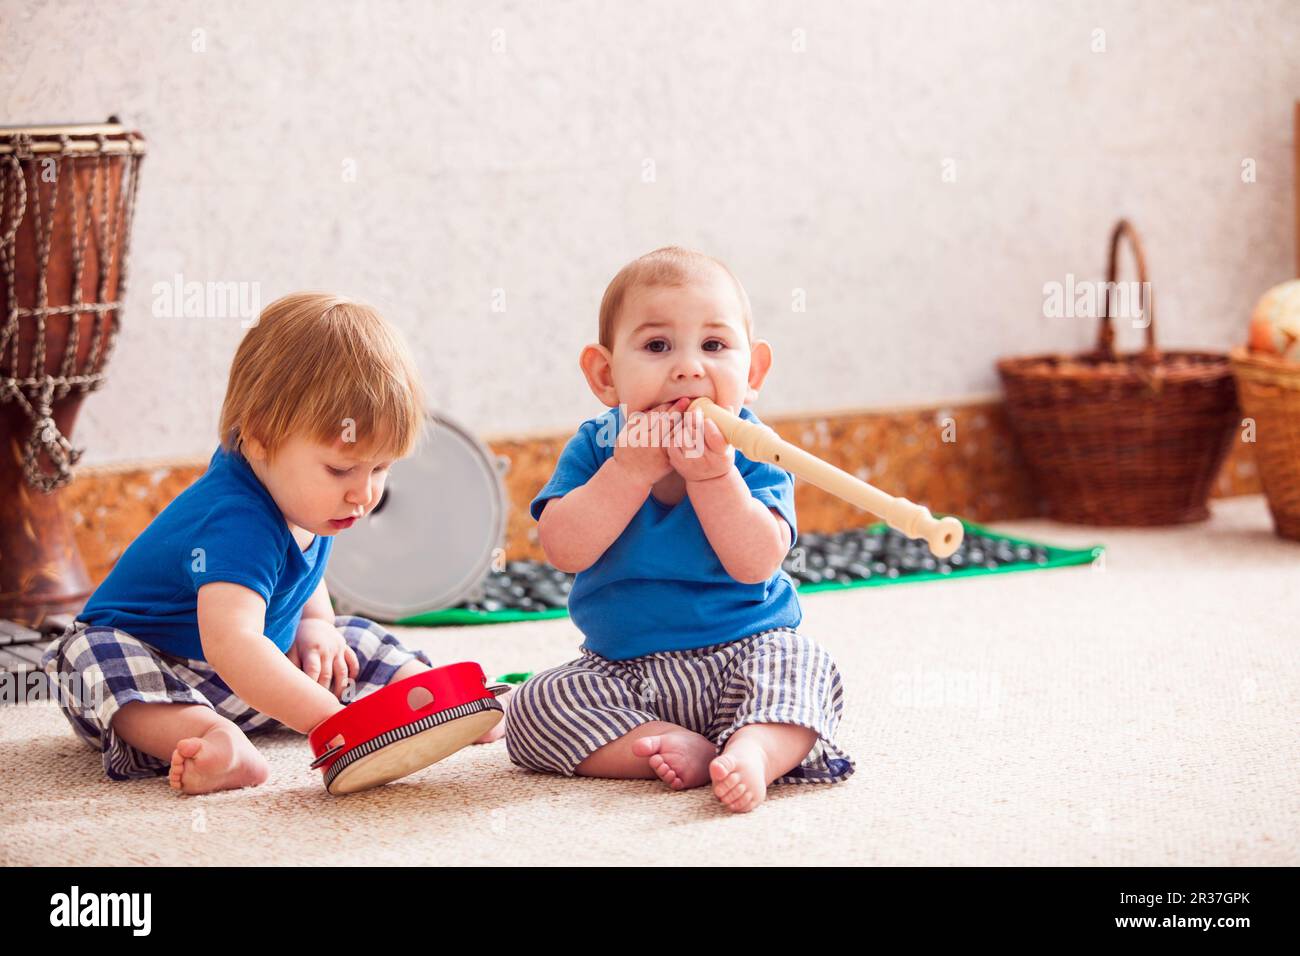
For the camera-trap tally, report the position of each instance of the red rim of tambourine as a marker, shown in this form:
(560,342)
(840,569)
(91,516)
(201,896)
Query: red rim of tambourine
(393,713)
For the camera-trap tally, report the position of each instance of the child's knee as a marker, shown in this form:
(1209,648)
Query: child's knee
(789,657)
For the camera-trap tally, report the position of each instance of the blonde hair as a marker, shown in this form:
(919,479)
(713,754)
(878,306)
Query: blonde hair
(327,368)
(669,266)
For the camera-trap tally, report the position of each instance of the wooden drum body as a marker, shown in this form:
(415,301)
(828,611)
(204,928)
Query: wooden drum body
(67,198)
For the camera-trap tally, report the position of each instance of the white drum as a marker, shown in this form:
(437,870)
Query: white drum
(430,542)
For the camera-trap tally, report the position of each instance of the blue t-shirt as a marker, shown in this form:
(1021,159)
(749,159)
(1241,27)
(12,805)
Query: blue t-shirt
(224,527)
(660,586)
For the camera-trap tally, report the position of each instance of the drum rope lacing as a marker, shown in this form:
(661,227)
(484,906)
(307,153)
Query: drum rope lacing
(37,392)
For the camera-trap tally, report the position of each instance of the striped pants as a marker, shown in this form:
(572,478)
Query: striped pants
(560,716)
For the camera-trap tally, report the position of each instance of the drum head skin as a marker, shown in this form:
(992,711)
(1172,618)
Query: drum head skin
(413,747)
(429,542)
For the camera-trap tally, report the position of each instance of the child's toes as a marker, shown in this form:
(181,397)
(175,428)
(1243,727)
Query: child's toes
(739,789)
(739,798)
(646,746)
(722,770)
(662,769)
(176,775)
(185,749)
(742,804)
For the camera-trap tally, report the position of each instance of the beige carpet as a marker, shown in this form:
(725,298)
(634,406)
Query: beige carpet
(1142,713)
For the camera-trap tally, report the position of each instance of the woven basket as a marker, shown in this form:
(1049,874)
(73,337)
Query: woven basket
(1269,390)
(1123,439)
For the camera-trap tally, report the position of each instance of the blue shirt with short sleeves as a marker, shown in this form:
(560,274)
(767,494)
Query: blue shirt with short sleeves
(660,586)
(224,527)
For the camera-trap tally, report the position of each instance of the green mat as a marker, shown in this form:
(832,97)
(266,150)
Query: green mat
(1056,558)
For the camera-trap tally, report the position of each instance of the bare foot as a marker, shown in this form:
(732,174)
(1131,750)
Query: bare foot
(740,777)
(496,733)
(219,760)
(680,758)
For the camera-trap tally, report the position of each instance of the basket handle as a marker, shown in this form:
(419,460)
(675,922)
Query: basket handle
(1106,331)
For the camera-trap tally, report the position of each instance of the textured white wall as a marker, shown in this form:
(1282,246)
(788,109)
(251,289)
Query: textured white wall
(521,168)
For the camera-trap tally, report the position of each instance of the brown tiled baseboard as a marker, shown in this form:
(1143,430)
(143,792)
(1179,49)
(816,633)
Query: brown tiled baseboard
(955,459)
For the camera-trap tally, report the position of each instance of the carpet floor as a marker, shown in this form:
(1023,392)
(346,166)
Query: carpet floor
(1139,711)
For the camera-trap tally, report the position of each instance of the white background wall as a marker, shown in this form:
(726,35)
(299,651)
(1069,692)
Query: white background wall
(481,168)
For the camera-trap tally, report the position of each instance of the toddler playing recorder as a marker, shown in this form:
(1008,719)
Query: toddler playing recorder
(216,621)
(692,669)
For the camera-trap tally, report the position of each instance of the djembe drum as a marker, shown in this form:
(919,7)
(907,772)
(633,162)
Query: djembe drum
(67,198)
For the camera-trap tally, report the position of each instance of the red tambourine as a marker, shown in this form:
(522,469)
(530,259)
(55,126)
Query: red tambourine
(405,727)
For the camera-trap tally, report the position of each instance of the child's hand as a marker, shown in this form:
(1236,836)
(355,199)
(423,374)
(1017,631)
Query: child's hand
(321,653)
(699,451)
(652,430)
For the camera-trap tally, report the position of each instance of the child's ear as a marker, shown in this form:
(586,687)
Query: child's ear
(760,363)
(596,364)
(252,449)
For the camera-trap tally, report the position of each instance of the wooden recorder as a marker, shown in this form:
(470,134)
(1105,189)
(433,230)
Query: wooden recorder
(760,443)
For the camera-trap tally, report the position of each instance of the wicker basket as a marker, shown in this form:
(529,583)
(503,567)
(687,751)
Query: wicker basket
(1123,439)
(1269,389)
